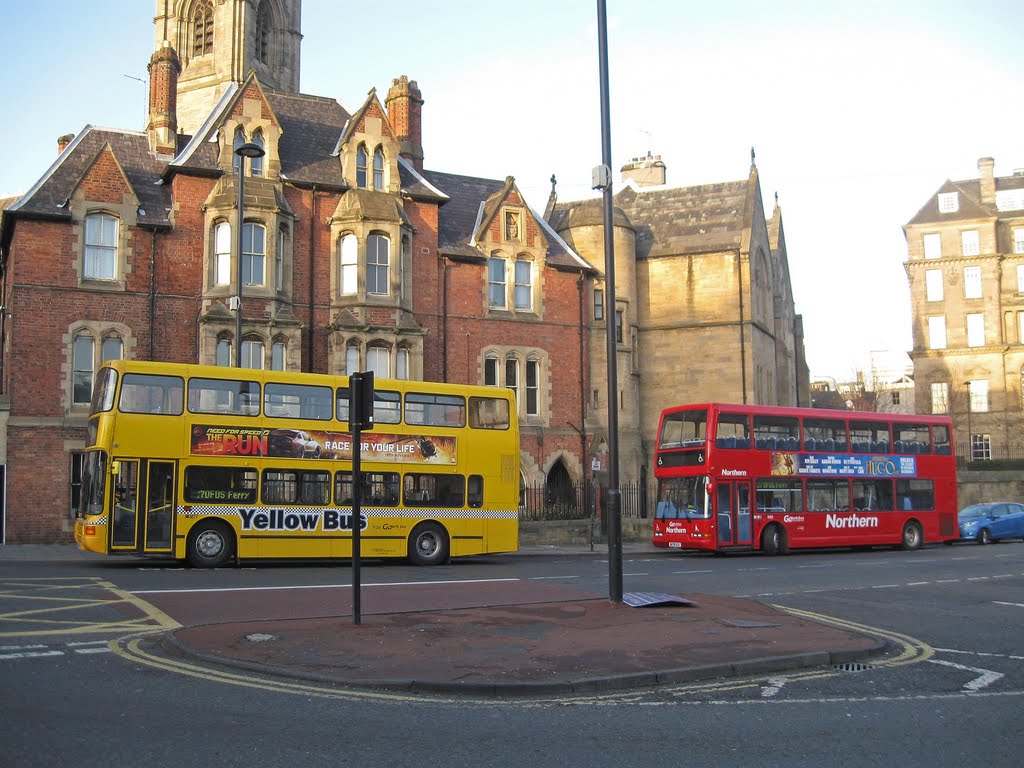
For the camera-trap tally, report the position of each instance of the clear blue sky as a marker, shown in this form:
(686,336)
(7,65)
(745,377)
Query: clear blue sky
(858,110)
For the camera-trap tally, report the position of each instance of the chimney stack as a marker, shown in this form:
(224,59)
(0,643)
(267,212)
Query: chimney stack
(987,180)
(405,109)
(63,141)
(164,69)
(645,171)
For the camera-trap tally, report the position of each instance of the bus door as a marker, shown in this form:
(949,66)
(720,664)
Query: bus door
(143,505)
(732,510)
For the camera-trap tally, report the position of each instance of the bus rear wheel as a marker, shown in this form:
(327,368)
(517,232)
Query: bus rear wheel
(210,544)
(428,545)
(773,541)
(912,537)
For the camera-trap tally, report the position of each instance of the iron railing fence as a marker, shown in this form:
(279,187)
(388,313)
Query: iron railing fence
(984,455)
(579,501)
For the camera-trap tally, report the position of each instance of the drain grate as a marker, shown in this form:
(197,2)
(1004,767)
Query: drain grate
(853,666)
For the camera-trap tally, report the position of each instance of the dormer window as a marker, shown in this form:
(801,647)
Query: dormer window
(378,169)
(238,141)
(202,29)
(256,163)
(949,202)
(361,167)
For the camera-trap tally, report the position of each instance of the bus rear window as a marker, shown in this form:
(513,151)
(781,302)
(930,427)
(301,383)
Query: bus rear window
(683,429)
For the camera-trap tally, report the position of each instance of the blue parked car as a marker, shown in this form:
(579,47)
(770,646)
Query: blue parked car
(986,523)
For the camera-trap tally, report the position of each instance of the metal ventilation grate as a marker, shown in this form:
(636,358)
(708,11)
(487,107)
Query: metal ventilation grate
(853,666)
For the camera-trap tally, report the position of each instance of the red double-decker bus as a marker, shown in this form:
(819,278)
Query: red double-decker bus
(747,477)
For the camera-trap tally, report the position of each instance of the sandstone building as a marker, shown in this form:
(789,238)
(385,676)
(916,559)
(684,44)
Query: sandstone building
(965,265)
(356,256)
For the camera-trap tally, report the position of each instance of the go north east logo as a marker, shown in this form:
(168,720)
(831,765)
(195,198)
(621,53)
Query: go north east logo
(305,520)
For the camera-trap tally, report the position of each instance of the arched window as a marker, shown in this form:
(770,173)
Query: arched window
(351,359)
(348,265)
(238,141)
(361,167)
(256,163)
(402,364)
(263,33)
(491,371)
(252,353)
(532,387)
(254,253)
(223,353)
(524,285)
(378,360)
(378,256)
(202,29)
(82,369)
(222,253)
(277,355)
(512,374)
(100,247)
(378,169)
(282,243)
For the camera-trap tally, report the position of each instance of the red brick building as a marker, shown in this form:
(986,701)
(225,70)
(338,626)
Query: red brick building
(354,256)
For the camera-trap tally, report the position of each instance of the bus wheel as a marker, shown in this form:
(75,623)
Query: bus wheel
(210,544)
(984,536)
(773,541)
(428,545)
(912,537)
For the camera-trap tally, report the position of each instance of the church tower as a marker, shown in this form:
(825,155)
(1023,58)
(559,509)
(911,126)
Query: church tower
(219,41)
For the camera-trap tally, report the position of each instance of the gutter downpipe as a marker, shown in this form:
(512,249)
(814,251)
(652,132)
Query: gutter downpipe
(152,294)
(444,318)
(312,239)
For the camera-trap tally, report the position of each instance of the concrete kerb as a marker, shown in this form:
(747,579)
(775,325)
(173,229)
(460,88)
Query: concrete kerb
(520,689)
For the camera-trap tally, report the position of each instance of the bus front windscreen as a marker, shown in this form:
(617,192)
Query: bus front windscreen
(94,483)
(682,498)
(683,429)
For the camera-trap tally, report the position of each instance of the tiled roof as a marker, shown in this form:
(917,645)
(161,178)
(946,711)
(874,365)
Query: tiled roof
(680,220)
(310,128)
(49,196)
(458,218)
(669,220)
(969,201)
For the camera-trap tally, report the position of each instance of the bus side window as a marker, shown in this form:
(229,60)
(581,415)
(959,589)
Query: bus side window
(475,491)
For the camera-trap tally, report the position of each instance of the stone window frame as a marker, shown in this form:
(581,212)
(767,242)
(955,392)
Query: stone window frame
(495,362)
(202,30)
(398,286)
(126,214)
(98,331)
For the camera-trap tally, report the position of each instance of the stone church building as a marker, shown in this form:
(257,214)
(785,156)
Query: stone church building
(355,256)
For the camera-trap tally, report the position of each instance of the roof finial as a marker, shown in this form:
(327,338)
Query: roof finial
(751,157)
(554,181)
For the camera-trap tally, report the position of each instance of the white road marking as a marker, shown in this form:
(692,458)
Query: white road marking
(774,686)
(1015,605)
(30,655)
(985,676)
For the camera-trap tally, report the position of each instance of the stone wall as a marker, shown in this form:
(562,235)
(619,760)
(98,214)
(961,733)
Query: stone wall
(992,485)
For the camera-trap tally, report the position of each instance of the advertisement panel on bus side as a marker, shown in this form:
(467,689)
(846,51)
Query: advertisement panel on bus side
(210,440)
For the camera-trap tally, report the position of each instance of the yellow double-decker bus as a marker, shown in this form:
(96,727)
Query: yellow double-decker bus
(211,464)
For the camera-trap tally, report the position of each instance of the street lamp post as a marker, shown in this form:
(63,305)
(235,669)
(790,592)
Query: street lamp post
(244,151)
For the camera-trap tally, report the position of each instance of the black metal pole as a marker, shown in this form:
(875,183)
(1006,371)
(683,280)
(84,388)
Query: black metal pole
(612,509)
(238,242)
(357,514)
